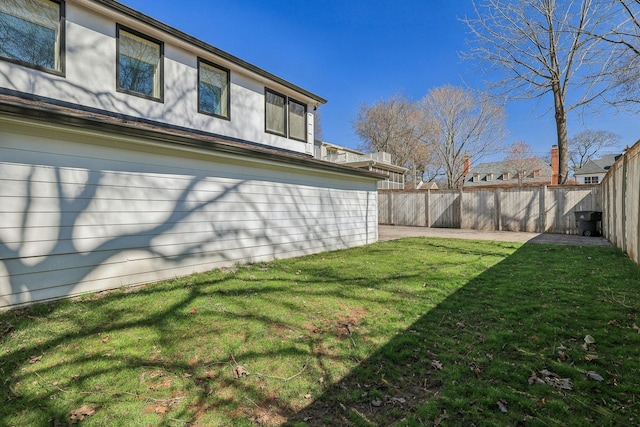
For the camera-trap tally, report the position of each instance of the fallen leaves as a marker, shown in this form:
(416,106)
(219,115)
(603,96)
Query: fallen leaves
(594,376)
(441,417)
(35,359)
(502,405)
(79,414)
(588,340)
(161,409)
(436,364)
(547,377)
(240,372)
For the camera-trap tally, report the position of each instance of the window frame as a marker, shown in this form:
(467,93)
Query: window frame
(592,179)
(304,118)
(160,97)
(287,121)
(228,82)
(60,43)
(285,118)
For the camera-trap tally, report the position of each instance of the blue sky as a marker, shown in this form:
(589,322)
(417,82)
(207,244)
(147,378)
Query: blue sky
(361,51)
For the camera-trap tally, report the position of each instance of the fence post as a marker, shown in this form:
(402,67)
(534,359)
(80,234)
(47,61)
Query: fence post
(427,210)
(461,204)
(391,208)
(542,207)
(496,201)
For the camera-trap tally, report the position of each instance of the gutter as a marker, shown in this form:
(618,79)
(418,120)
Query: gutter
(21,108)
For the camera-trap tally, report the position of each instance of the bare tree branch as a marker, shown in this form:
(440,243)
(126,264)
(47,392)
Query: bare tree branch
(460,123)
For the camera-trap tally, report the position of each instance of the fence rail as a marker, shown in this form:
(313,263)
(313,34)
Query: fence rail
(541,209)
(621,200)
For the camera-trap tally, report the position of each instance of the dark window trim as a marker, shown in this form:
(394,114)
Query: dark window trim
(286,113)
(287,122)
(295,101)
(61,47)
(160,97)
(212,64)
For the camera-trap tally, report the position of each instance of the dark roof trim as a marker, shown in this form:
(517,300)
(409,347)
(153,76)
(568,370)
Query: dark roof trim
(132,13)
(38,110)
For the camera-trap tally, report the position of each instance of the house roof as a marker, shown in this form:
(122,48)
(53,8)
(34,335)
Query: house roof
(132,13)
(498,169)
(598,166)
(27,106)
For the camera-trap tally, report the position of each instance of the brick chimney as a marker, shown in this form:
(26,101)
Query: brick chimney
(467,166)
(555,165)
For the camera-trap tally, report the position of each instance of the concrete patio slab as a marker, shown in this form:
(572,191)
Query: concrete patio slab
(392,232)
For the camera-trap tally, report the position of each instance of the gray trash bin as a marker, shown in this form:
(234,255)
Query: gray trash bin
(587,222)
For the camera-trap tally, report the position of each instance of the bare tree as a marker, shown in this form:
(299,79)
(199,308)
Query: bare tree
(318,132)
(546,47)
(460,123)
(520,160)
(626,72)
(393,126)
(585,145)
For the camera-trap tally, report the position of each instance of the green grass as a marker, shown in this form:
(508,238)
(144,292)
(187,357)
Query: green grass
(410,332)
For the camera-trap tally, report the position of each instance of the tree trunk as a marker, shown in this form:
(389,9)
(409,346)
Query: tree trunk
(561,131)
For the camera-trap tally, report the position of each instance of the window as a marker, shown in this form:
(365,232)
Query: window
(31,33)
(275,118)
(591,180)
(213,89)
(139,64)
(285,116)
(297,120)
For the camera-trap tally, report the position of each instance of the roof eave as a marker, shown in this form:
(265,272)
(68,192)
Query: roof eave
(180,138)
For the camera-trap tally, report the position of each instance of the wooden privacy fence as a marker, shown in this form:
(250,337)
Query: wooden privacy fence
(621,200)
(541,209)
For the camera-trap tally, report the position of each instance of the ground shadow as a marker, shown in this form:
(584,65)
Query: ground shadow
(450,366)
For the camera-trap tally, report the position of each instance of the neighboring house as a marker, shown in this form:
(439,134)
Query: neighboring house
(132,152)
(375,162)
(594,170)
(537,172)
(520,172)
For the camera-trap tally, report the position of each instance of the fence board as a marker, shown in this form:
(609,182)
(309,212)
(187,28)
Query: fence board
(533,209)
(621,218)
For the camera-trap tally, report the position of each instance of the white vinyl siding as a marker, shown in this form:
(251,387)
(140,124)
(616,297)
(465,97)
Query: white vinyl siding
(83,213)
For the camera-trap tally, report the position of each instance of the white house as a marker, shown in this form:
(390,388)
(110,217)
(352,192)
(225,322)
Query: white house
(379,162)
(131,152)
(594,170)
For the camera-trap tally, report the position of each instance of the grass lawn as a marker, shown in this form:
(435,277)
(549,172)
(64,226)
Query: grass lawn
(410,332)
